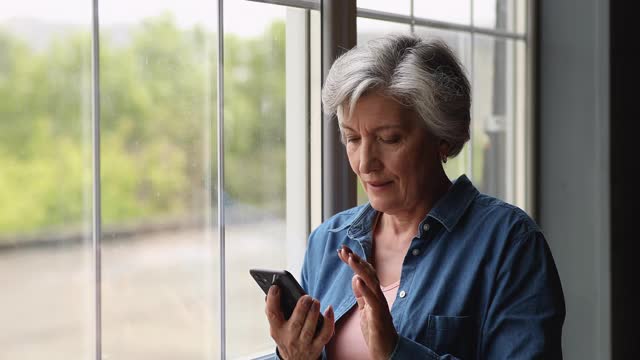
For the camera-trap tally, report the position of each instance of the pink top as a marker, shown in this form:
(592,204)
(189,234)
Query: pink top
(348,341)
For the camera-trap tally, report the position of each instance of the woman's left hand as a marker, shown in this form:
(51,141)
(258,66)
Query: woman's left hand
(375,318)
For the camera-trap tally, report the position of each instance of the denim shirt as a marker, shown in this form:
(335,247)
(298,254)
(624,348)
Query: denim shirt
(477,282)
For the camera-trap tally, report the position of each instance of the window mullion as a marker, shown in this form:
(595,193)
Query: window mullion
(220,179)
(97,203)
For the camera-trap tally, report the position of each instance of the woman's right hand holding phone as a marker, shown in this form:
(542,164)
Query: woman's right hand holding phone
(296,338)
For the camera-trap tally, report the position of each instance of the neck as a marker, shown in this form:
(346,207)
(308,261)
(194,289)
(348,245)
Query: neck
(407,220)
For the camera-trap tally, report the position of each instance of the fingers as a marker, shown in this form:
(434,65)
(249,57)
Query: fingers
(272,308)
(297,319)
(357,293)
(361,267)
(309,327)
(299,332)
(370,297)
(327,330)
(343,254)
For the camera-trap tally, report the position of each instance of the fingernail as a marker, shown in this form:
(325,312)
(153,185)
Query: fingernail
(276,290)
(307,300)
(316,305)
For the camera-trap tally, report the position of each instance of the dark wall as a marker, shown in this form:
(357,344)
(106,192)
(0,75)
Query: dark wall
(625,169)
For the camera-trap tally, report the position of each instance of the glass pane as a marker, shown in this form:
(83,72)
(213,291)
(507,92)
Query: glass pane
(493,116)
(159,254)
(261,62)
(46,265)
(370,29)
(454,11)
(460,44)
(402,7)
(500,14)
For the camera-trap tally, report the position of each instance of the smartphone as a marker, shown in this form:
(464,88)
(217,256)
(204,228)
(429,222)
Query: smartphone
(290,290)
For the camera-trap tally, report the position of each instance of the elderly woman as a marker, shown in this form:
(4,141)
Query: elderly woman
(428,269)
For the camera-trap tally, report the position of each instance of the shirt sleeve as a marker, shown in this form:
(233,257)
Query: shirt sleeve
(524,319)
(304,272)
(311,261)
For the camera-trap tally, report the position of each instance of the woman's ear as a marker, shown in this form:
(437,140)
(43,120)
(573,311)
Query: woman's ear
(443,150)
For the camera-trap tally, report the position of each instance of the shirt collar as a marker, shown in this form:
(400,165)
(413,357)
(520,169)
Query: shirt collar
(448,210)
(455,202)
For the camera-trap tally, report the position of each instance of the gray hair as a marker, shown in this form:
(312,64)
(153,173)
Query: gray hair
(423,75)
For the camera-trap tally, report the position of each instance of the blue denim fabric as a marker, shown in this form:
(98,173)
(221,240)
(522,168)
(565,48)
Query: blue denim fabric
(479,281)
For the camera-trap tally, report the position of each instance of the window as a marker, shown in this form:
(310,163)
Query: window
(158,102)
(489,38)
(162,246)
(266,161)
(46,177)
(402,7)
(182,216)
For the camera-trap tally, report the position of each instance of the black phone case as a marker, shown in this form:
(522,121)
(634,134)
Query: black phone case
(290,290)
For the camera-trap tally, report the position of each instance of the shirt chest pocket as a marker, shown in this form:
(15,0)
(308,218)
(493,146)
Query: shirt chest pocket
(449,335)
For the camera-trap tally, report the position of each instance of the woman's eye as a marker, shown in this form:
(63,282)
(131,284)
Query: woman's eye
(352,139)
(390,140)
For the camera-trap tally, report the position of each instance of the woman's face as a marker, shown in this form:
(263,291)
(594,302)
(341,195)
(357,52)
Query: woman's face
(392,153)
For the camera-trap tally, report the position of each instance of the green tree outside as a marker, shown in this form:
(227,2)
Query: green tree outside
(154,96)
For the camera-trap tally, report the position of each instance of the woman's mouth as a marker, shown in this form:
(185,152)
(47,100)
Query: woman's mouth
(378,185)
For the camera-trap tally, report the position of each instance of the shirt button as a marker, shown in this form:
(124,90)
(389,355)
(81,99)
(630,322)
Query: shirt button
(425,227)
(415,252)
(402,294)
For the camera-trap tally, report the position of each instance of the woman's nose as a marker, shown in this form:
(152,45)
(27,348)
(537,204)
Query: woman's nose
(369,160)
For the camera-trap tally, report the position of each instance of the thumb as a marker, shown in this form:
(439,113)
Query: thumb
(272,308)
